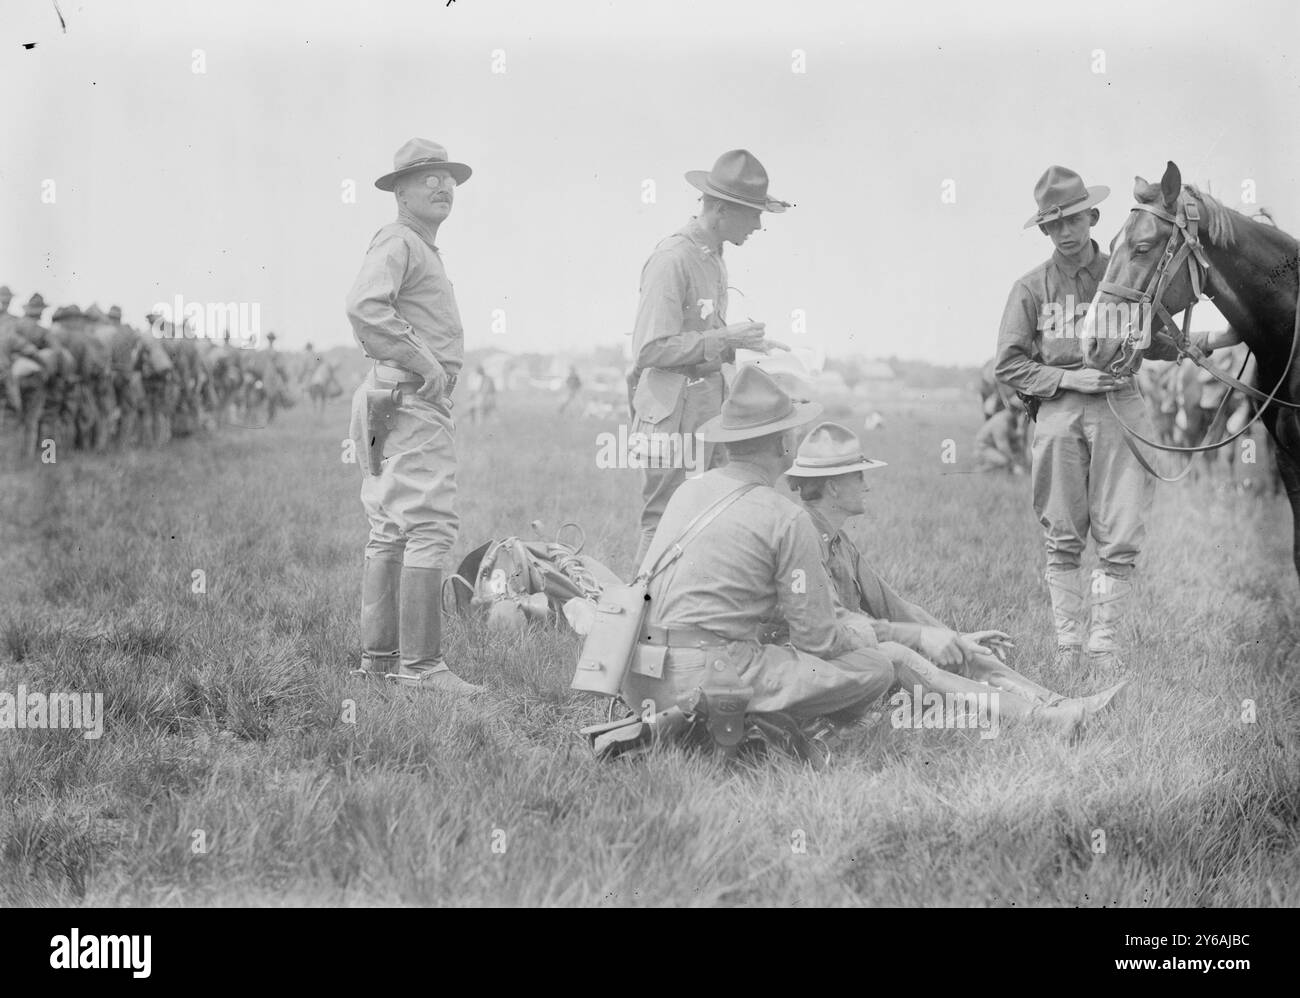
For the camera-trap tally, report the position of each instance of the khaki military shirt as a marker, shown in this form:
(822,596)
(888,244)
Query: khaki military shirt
(683,303)
(857,585)
(1039,337)
(402,307)
(759,559)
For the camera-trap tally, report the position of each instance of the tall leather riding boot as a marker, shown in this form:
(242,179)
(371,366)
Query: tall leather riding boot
(420,635)
(990,669)
(1110,596)
(380,585)
(1066,588)
(1065,714)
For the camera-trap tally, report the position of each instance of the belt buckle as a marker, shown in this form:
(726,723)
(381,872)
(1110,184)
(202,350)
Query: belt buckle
(695,381)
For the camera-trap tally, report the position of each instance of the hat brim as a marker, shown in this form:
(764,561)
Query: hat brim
(830,471)
(1096,195)
(459,172)
(713,432)
(699,179)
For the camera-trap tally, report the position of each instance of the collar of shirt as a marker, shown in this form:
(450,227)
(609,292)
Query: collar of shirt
(415,226)
(744,471)
(1096,266)
(828,533)
(693,231)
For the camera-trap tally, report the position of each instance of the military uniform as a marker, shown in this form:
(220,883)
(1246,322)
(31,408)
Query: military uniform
(677,374)
(1084,478)
(403,310)
(757,560)
(404,315)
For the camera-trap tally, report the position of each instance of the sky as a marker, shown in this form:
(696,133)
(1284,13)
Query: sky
(165,148)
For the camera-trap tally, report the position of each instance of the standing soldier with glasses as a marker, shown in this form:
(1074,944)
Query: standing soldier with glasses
(403,313)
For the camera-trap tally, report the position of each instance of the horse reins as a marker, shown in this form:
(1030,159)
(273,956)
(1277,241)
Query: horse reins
(1189,250)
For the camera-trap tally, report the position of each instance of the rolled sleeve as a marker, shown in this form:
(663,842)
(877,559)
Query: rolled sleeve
(1016,364)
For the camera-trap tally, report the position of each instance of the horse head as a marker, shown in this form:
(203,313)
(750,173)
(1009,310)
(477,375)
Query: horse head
(1145,283)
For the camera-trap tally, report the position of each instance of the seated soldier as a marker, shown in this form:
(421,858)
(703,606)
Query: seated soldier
(999,444)
(757,556)
(828,474)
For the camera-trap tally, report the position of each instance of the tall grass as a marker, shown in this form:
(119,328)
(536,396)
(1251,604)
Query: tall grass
(241,764)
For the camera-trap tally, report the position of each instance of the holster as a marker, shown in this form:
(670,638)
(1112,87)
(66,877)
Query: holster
(377,422)
(1032,402)
(724,699)
(614,738)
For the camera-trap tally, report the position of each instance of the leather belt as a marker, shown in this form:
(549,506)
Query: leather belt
(407,380)
(680,637)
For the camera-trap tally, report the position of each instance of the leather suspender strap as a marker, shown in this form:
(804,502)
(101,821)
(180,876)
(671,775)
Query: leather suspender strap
(693,530)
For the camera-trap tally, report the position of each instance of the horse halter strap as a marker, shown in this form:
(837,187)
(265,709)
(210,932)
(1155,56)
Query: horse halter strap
(1188,249)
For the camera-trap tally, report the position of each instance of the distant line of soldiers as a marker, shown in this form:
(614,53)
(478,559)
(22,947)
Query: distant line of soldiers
(89,381)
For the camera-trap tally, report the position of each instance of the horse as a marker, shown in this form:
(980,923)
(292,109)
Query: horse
(1250,269)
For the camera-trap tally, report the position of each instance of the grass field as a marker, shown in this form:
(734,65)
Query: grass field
(226,723)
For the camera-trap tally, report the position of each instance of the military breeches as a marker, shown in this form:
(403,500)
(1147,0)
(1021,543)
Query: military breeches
(411,503)
(1085,479)
(782,678)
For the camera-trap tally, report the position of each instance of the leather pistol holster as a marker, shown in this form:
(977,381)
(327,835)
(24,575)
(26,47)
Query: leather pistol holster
(377,423)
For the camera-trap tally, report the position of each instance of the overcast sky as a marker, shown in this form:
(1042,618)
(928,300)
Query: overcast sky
(228,184)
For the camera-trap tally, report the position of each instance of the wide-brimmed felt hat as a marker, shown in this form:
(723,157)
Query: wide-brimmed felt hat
(36,301)
(66,312)
(829,450)
(738,177)
(115,312)
(757,407)
(94,313)
(1061,192)
(419,154)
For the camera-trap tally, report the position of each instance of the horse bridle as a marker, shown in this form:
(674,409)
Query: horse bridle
(1189,249)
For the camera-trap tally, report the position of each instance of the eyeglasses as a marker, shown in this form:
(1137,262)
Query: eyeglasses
(436,180)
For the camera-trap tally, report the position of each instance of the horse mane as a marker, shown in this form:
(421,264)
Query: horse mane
(1220,225)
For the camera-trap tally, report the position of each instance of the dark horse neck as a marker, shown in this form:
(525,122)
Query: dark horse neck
(1253,282)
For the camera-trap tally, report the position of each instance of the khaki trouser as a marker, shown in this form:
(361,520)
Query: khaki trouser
(783,679)
(670,457)
(411,503)
(1085,479)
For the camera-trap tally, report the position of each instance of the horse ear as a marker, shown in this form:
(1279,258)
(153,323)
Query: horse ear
(1140,186)
(1171,184)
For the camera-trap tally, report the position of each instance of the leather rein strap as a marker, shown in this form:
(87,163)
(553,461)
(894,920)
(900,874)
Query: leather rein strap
(1190,251)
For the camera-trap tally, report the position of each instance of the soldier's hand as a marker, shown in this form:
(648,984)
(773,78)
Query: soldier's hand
(942,647)
(1089,381)
(767,346)
(435,384)
(995,643)
(862,631)
(744,335)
